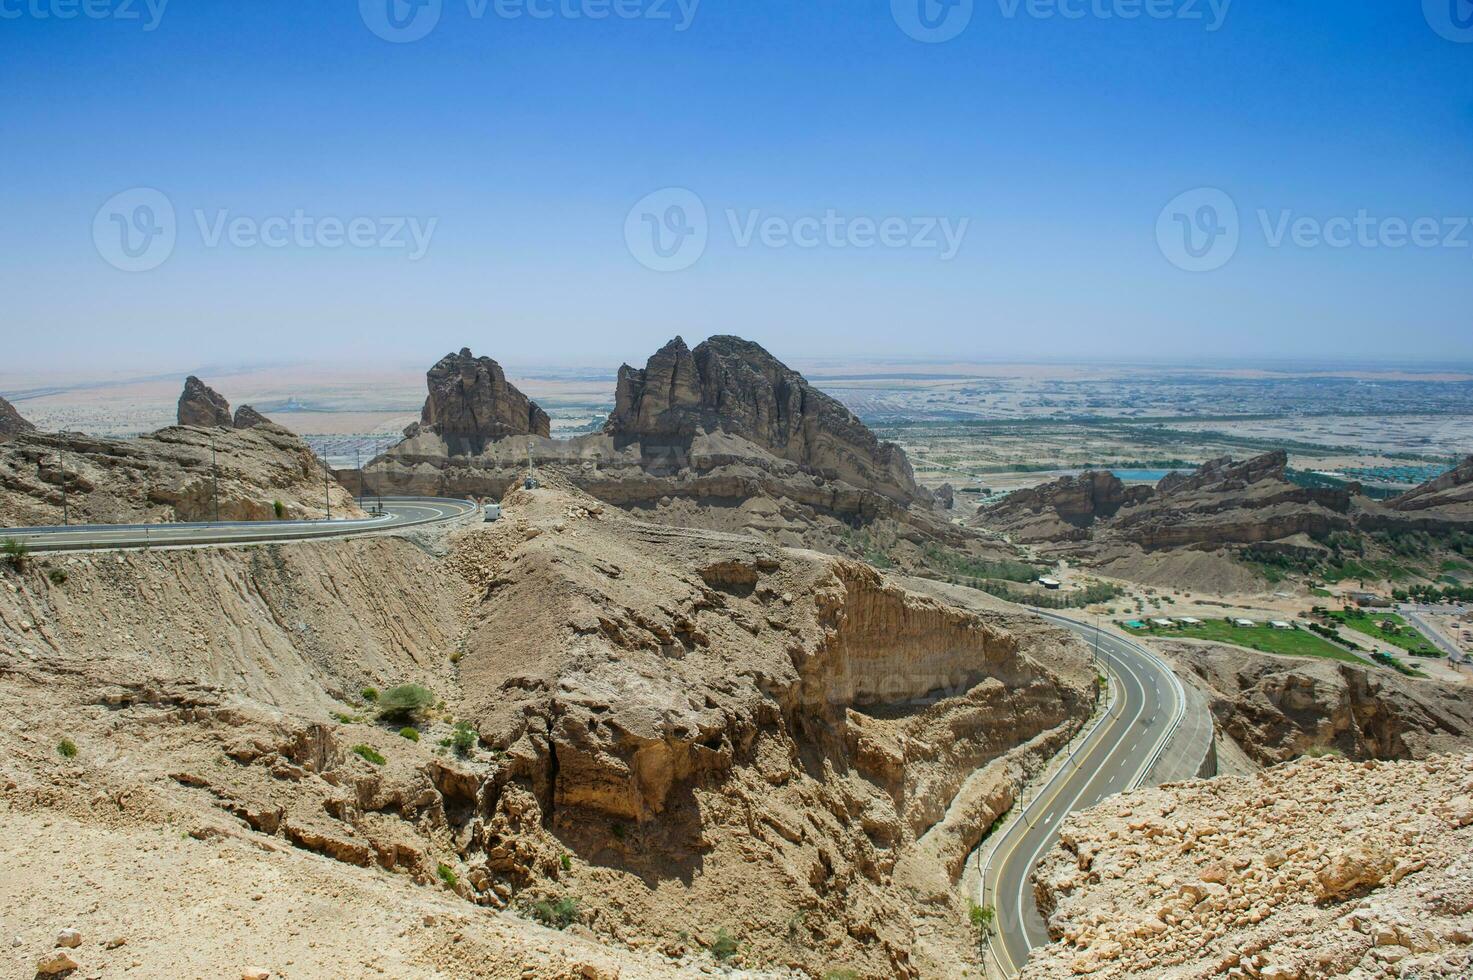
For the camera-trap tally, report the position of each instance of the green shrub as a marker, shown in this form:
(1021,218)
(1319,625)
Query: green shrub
(463,738)
(410,733)
(447,874)
(982,917)
(558,915)
(67,748)
(367,752)
(57,576)
(404,703)
(725,946)
(565,862)
(369,694)
(617,830)
(278,508)
(14,553)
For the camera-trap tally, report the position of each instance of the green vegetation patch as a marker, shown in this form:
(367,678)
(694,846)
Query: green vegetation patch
(1388,628)
(1264,639)
(407,702)
(369,753)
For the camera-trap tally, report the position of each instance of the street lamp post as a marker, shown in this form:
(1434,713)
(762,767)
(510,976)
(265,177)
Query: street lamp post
(215,479)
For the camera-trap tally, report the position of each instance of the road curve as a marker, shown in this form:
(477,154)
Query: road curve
(1116,754)
(399,513)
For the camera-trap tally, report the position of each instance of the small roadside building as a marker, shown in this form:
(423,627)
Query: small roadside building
(1244,624)
(1280,624)
(1052,584)
(1189,621)
(1162,624)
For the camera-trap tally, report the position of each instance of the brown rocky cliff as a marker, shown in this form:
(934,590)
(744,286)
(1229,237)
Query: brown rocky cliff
(469,397)
(11,422)
(1065,509)
(202,405)
(732,385)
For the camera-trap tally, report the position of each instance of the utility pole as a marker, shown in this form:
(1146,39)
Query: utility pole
(326,480)
(215,479)
(358,461)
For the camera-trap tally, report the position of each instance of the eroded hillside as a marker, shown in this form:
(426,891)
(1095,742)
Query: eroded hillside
(683,736)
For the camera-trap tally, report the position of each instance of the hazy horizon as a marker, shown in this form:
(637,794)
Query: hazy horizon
(198,184)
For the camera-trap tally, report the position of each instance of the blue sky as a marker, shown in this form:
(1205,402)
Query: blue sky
(518,146)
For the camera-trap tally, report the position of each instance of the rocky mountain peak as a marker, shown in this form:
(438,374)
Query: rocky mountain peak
(470,397)
(12,423)
(202,405)
(735,386)
(247,417)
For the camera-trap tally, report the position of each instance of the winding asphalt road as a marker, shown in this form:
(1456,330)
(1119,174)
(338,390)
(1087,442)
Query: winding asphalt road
(1117,754)
(399,513)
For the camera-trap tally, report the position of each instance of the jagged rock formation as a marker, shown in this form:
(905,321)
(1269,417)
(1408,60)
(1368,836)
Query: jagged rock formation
(723,437)
(1183,531)
(169,475)
(247,417)
(1278,708)
(202,405)
(1438,506)
(686,731)
(11,422)
(1316,868)
(1065,509)
(470,399)
(1453,489)
(735,386)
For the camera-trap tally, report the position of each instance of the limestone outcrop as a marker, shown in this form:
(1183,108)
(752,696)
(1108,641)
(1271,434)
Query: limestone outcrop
(203,406)
(681,733)
(1279,708)
(12,423)
(732,385)
(1316,868)
(470,400)
(723,437)
(1065,509)
(176,474)
(247,417)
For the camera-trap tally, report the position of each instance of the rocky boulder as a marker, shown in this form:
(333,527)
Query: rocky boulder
(470,398)
(203,406)
(734,386)
(247,417)
(11,422)
(1454,489)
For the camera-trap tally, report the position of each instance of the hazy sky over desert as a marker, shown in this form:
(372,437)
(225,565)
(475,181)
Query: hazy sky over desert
(1012,191)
